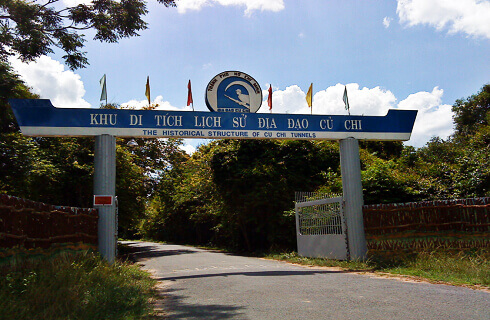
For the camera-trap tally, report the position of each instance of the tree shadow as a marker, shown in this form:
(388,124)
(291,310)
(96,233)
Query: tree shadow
(275,273)
(137,253)
(174,307)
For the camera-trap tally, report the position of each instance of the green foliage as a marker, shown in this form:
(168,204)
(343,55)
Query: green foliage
(383,149)
(239,193)
(471,113)
(31,28)
(10,87)
(80,286)
(257,180)
(383,182)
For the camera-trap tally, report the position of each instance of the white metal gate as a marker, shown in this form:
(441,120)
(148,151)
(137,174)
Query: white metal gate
(320,226)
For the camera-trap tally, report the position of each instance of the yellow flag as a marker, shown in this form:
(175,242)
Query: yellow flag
(309,96)
(147,92)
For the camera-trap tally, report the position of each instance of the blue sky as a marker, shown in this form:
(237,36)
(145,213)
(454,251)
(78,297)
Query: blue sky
(408,54)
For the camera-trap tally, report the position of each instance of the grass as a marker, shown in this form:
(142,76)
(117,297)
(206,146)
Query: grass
(457,267)
(74,286)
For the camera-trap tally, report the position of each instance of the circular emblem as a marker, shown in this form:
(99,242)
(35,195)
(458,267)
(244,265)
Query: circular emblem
(233,91)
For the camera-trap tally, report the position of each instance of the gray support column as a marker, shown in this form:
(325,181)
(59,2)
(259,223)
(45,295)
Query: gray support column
(352,187)
(105,184)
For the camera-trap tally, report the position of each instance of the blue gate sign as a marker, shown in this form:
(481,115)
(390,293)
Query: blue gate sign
(38,117)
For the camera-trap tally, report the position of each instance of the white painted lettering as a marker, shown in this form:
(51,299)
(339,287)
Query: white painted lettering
(267,123)
(135,120)
(207,122)
(103,119)
(93,118)
(326,124)
(353,125)
(297,124)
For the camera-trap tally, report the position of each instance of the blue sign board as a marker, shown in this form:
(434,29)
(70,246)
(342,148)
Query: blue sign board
(38,117)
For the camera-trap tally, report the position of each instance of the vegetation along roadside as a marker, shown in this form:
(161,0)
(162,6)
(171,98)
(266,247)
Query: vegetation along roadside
(456,267)
(75,286)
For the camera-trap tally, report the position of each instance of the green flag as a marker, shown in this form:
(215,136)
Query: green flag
(103,95)
(346,100)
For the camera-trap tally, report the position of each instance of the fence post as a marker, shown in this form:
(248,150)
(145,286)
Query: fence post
(350,165)
(105,184)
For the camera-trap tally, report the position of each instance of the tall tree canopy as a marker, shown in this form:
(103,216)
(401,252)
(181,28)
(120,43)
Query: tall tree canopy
(471,114)
(32,28)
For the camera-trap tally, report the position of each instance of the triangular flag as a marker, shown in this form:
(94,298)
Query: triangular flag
(103,95)
(346,100)
(309,96)
(147,92)
(269,99)
(189,95)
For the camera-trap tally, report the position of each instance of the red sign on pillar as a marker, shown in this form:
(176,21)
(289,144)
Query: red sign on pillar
(100,200)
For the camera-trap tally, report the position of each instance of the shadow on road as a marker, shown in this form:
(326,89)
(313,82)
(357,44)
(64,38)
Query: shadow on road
(251,274)
(181,310)
(137,253)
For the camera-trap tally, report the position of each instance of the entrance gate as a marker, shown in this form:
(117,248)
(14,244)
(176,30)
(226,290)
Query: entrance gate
(38,117)
(320,226)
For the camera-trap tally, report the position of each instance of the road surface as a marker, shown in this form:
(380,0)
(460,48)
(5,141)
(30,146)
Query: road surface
(203,284)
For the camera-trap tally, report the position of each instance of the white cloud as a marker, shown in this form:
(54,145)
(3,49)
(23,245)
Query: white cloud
(467,16)
(49,79)
(162,105)
(433,118)
(187,148)
(387,21)
(290,100)
(251,5)
(329,101)
(73,3)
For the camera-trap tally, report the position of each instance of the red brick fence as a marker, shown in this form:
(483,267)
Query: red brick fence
(27,225)
(429,224)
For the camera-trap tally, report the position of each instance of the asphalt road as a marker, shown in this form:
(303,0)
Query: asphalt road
(203,284)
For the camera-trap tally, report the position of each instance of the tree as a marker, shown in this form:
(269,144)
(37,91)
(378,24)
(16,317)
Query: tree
(10,87)
(471,113)
(32,28)
(257,180)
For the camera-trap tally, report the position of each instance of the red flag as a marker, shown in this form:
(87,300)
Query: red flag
(189,94)
(269,99)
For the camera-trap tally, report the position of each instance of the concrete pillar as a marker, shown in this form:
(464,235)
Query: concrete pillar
(105,184)
(350,164)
